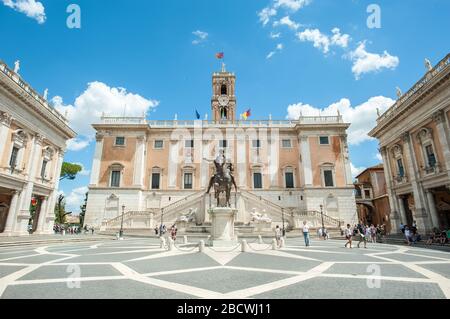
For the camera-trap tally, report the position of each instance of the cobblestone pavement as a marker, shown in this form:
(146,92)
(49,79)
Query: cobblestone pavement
(139,268)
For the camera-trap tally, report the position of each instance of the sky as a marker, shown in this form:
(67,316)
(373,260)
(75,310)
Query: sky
(156,58)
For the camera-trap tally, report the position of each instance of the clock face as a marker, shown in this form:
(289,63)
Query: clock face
(223,100)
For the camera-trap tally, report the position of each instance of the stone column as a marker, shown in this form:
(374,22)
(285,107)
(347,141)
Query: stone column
(443,135)
(346,160)
(12,213)
(420,214)
(401,207)
(173,163)
(241,152)
(432,205)
(204,165)
(139,162)
(306,160)
(95,171)
(42,215)
(273,158)
(5,123)
(46,227)
(393,204)
(34,161)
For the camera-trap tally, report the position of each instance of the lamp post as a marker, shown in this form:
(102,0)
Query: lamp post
(121,223)
(162,220)
(282,219)
(323,226)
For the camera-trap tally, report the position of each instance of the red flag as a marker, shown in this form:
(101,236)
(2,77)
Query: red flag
(219,55)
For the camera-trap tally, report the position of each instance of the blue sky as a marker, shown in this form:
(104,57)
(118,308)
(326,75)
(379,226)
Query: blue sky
(152,50)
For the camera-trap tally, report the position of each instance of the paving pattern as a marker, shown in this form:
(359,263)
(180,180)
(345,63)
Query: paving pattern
(138,268)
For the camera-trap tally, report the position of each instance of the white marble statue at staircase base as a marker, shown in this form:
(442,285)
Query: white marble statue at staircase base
(222,230)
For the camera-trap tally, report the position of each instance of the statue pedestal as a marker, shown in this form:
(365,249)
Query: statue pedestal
(222,230)
(263,227)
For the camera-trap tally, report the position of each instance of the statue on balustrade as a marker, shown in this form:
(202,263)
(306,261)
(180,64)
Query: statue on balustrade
(260,218)
(189,217)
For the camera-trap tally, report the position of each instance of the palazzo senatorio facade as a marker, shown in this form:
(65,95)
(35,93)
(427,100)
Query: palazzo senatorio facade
(158,170)
(33,139)
(415,145)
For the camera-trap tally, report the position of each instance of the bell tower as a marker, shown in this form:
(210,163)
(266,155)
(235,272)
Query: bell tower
(223,101)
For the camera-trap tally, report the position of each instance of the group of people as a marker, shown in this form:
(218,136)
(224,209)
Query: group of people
(364,233)
(411,233)
(162,229)
(440,237)
(71,230)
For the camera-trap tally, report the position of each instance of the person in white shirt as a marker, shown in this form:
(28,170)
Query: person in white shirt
(278,235)
(348,235)
(306,233)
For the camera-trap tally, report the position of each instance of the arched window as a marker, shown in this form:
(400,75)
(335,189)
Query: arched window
(223,89)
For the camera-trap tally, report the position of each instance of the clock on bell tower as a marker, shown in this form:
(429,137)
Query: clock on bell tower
(223,101)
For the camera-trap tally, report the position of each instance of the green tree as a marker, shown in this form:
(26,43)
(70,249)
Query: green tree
(70,170)
(60,210)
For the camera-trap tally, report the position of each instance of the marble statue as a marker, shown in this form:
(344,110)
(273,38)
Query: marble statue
(399,92)
(188,217)
(260,218)
(428,65)
(45,94)
(17,66)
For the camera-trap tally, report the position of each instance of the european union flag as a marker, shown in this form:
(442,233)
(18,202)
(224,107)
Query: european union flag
(197,115)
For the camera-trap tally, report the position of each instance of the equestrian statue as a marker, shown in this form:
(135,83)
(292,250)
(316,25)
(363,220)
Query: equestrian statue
(222,180)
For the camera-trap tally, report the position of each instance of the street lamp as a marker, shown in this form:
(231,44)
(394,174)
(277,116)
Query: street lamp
(323,226)
(162,220)
(121,223)
(282,219)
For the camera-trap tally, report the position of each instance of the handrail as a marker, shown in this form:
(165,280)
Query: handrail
(260,198)
(172,207)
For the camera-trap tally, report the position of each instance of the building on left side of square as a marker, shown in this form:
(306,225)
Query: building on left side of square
(33,139)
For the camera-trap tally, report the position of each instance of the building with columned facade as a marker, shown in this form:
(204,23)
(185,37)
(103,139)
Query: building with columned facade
(415,145)
(33,138)
(155,171)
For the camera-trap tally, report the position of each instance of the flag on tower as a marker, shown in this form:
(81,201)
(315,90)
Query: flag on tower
(246,114)
(220,55)
(197,115)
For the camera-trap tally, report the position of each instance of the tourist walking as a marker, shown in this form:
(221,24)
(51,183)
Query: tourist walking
(373,234)
(306,233)
(362,235)
(348,235)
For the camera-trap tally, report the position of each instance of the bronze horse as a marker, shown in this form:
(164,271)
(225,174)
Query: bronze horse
(223,183)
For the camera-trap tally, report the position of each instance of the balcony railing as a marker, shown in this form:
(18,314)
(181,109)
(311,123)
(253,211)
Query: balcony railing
(30,91)
(304,120)
(399,179)
(419,87)
(431,169)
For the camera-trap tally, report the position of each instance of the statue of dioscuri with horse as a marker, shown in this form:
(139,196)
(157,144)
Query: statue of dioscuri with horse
(222,180)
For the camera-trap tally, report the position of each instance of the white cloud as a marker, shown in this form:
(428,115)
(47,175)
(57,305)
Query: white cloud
(265,15)
(362,117)
(339,39)
(379,157)
(275,35)
(279,47)
(365,62)
(32,8)
(288,22)
(97,99)
(323,41)
(356,170)
(201,37)
(84,171)
(293,5)
(76,198)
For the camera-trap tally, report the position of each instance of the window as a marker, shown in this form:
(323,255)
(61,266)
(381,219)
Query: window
(223,89)
(189,143)
(120,141)
(44,168)
(367,193)
(401,169)
(257,180)
(13,159)
(223,144)
(324,140)
(286,143)
(430,156)
(328,178)
(289,176)
(159,144)
(256,143)
(155,180)
(115,179)
(187,180)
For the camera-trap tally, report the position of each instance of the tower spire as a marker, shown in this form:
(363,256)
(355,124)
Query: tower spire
(223,67)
